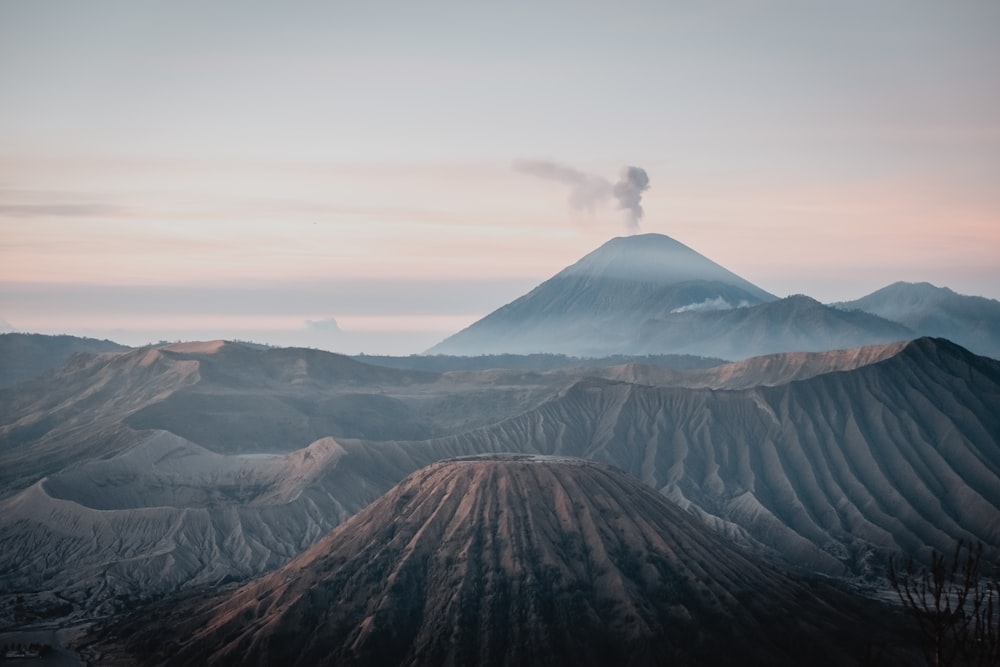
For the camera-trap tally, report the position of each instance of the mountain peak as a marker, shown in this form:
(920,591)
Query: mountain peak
(657,259)
(595,306)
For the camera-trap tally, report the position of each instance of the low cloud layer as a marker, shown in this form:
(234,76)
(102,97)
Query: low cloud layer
(587,191)
(718,303)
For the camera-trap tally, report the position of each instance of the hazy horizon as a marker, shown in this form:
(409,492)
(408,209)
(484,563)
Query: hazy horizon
(376,177)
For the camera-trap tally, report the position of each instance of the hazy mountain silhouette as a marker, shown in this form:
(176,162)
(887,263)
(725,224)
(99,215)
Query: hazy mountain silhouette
(971,321)
(513,560)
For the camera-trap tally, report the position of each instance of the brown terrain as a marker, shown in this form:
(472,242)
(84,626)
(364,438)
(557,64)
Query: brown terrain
(512,560)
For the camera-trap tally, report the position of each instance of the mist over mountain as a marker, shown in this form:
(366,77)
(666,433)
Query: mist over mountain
(513,560)
(793,324)
(650,294)
(971,321)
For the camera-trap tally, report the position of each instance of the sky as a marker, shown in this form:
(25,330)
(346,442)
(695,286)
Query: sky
(357,176)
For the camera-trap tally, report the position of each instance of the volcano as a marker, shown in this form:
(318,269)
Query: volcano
(605,297)
(512,560)
(650,294)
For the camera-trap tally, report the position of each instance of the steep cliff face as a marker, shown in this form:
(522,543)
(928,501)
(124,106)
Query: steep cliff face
(514,560)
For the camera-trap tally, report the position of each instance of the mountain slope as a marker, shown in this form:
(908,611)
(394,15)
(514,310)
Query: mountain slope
(849,457)
(971,321)
(233,399)
(514,561)
(650,294)
(609,292)
(793,324)
(835,472)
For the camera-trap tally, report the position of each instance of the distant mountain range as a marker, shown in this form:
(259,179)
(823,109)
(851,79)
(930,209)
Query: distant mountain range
(971,321)
(514,560)
(650,294)
(162,468)
(645,296)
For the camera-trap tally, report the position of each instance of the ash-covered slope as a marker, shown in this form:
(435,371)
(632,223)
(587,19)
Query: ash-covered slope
(512,561)
(833,473)
(866,453)
(76,411)
(763,371)
(163,515)
(649,294)
(160,468)
(971,321)
(589,307)
(234,400)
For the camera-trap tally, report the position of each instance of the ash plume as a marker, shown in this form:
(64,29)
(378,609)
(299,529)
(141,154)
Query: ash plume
(589,190)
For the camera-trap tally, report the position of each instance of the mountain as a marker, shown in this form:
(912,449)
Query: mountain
(651,295)
(24,356)
(513,560)
(235,400)
(794,324)
(164,468)
(971,321)
(763,371)
(604,296)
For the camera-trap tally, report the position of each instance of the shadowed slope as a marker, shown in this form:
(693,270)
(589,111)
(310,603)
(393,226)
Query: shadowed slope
(513,561)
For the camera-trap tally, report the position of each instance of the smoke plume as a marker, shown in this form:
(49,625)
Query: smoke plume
(589,190)
(628,191)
